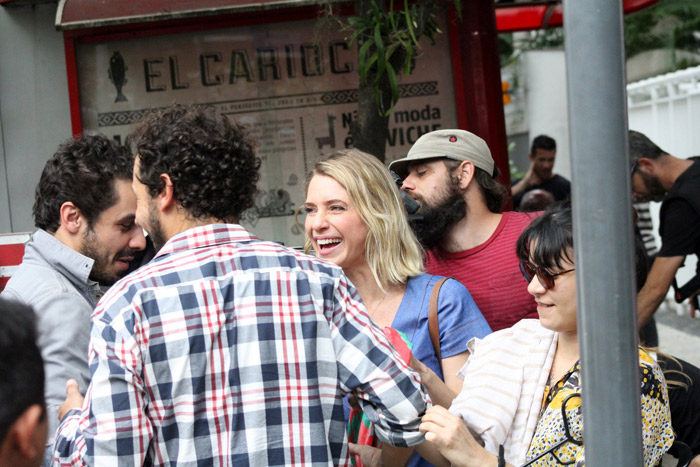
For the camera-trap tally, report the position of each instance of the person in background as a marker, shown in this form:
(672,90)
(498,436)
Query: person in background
(84,211)
(23,424)
(536,200)
(540,175)
(682,378)
(453,177)
(226,349)
(355,218)
(659,176)
(643,226)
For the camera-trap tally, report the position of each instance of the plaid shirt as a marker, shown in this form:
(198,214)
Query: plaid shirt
(227,350)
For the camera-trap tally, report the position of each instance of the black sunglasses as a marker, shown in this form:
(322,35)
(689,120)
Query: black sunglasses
(545,277)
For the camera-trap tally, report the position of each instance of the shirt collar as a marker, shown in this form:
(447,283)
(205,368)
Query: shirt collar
(64,259)
(205,236)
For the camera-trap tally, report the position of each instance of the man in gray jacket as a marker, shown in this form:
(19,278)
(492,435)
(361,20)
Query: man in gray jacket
(84,210)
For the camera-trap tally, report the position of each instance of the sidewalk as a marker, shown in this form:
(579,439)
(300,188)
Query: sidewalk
(679,336)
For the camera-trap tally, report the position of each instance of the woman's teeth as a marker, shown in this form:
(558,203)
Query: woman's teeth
(328,241)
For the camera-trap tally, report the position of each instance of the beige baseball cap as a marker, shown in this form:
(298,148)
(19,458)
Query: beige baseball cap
(458,145)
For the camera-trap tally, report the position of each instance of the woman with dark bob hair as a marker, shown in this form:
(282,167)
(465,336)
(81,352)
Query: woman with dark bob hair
(521,401)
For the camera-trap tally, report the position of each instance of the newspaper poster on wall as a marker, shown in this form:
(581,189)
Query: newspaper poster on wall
(293,84)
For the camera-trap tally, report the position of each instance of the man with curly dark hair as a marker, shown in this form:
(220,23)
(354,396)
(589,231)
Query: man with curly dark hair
(226,349)
(85,212)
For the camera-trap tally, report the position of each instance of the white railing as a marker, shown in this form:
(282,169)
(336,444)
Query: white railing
(666,108)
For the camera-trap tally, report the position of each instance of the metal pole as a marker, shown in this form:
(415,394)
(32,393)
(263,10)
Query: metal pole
(607,324)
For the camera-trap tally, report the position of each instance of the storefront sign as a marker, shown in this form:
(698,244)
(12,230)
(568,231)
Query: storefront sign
(293,84)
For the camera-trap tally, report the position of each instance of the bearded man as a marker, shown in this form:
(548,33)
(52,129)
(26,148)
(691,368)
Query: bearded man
(85,210)
(658,176)
(452,175)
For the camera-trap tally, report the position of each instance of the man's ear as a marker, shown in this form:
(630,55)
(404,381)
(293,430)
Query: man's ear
(166,197)
(27,435)
(646,165)
(465,174)
(71,218)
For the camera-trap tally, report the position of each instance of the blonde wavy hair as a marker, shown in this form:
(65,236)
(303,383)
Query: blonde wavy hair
(391,248)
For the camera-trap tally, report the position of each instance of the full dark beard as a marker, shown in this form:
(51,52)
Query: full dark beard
(101,272)
(656,191)
(439,219)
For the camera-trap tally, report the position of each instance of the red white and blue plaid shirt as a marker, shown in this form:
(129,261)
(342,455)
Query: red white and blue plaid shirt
(226,350)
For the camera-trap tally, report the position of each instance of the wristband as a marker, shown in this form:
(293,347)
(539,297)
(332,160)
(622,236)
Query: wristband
(501,456)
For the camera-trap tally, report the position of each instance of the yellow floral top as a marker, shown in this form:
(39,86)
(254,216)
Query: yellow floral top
(551,427)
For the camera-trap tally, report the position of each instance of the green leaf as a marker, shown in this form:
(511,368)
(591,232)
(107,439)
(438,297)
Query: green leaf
(362,65)
(409,54)
(381,56)
(390,50)
(391,15)
(371,61)
(365,48)
(354,36)
(377,13)
(407,64)
(380,102)
(409,22)
(394,83)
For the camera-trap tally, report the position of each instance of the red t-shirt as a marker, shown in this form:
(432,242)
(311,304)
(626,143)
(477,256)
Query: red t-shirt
(491,273)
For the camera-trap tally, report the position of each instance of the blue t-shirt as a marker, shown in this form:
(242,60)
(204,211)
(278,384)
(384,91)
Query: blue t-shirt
(459,319)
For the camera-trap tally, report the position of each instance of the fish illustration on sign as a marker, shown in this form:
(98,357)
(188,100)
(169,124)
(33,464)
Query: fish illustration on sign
(117,75)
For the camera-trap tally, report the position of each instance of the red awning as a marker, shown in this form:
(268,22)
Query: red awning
(544,14)
(81,14)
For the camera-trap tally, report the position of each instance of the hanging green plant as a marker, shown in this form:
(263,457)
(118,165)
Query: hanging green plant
(388,42)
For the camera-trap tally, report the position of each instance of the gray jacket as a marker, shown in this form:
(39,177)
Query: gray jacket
(53,279)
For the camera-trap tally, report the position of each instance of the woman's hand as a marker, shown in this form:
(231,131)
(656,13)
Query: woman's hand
(389,456)
(438,391)
(370,456)
(453,439)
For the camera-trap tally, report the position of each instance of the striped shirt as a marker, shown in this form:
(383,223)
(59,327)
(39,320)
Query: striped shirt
(491,273)
(646,227)
(501,401)
(227,350)
(504,381)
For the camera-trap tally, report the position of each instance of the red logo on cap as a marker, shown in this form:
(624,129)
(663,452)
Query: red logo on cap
(453,139)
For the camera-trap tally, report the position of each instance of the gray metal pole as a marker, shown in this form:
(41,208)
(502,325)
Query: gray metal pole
(603,232)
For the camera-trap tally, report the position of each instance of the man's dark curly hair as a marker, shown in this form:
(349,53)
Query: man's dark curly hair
(82,171)
(211,161)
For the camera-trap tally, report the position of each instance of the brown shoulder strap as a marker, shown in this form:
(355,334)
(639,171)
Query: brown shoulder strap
(433,325)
